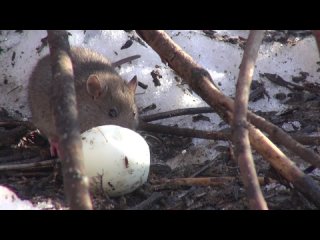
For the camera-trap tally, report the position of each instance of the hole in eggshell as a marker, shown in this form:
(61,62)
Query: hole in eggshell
(126,161)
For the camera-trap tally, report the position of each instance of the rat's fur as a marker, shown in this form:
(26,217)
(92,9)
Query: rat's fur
(116,94)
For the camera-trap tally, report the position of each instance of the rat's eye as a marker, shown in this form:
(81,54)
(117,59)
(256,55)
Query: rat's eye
(113,112)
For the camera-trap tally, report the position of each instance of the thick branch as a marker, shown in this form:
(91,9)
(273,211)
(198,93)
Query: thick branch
(65,115)
(240,131)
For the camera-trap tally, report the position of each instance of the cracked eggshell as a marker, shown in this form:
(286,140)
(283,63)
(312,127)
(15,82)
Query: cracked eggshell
(116,157)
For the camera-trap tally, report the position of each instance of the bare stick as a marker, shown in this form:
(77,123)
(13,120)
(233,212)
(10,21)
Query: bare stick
(204,168)
(240,131)
(175,113)
(76,184)
(279,161)
(200,81)
(16,123)
(279,136)
(27,166)
(201,181)
(154,197)
(185,132)
(303,139)
(306,140)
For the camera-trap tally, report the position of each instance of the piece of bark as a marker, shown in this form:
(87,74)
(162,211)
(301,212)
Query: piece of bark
(76,184)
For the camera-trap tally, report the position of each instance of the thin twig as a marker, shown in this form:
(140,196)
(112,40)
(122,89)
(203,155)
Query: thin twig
(221,135)
(279,161)
(76,184)
(41,173)
(279,136)
(17,123)
(240,131)
(165,183)
(185,132)
(303,139)
(204,168)
(175,113)
(291,86)
(143,205)
(306,140)
(27,166)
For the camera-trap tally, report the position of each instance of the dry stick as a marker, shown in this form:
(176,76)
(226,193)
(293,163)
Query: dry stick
(276,134)
(185,132)
(204,168)
(303,139)
(175,113)
(304,183)
(200,81)
(240,131)
(201,181)
(143,205)
(306,140)
(27,166)
(76,184)
(27,174)
(16,123)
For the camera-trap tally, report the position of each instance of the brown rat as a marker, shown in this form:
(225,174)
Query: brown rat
(103,97)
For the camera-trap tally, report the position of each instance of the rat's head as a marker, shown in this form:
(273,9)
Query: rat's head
(115,98)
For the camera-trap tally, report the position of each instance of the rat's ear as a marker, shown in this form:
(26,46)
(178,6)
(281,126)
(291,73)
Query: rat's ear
(94,87)
(133,84)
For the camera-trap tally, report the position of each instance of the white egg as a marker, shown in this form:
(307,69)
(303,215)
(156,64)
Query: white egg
(116,158)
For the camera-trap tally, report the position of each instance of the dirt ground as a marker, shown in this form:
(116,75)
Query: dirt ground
(20,144)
